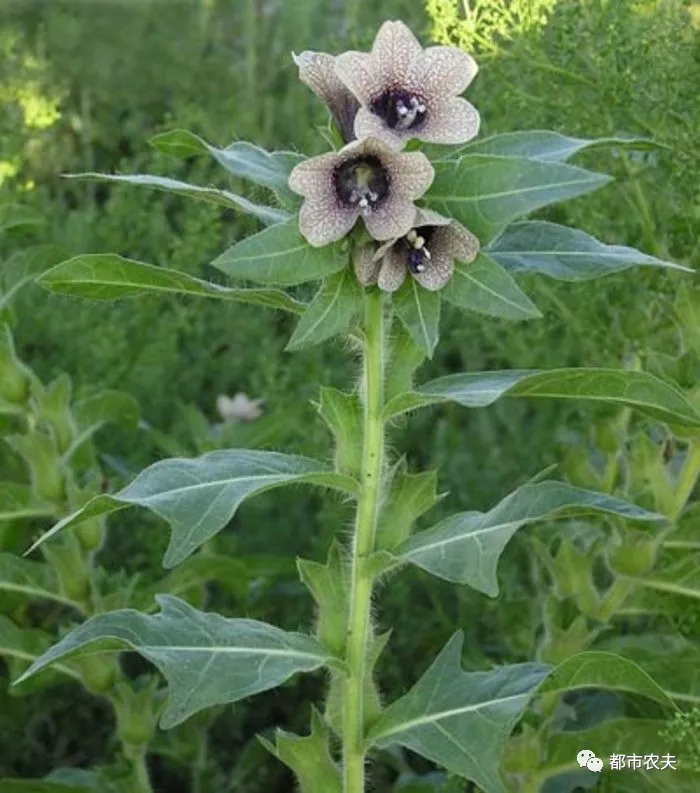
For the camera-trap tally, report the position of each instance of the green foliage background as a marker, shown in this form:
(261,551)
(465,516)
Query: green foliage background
(85,84)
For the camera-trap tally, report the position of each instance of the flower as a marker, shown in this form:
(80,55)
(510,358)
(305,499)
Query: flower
(365,178)
(240,408)
(317,70)
(408,92)
(428,252)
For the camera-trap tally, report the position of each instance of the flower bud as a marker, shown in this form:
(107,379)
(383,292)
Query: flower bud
(68,560)
(14,375)
(98,672)
(91,534)
(635,556)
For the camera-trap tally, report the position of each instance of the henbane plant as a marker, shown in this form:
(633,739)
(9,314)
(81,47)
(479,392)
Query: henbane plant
(406,211)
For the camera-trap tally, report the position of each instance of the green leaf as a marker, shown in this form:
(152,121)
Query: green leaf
(372,700)
(39,786)
(343,414)
(107,406)
(485,193)
(645,392)
(83,778)
(18,501)
(309,757)
(460,720)
(17,216)
(612,736)
(410,496)
(595,669)
(419,310)
(465,548)
(31,579)
(207,659)
(687,310)
(107,276)
(269,169)
(333,310)
(23,646)
(539,144)
(485,287)
(680,578)
(198,497)
(671,660)
(566,254)
(265,214)
(280,255)
(329,585)
(404,358)
(233,575)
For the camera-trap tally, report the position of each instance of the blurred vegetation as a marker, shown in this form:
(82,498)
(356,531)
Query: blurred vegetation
(84,85)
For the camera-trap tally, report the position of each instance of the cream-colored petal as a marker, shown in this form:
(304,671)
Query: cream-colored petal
(438,270)
(394,48)
(368,125)
(411,173)
(322,221)
(451,122)
(441,72)
(359,72)
(313,176)
(428,217)
(383,248)
(318,71)
(393,218)
(365,264)
(392,273)
(456,241)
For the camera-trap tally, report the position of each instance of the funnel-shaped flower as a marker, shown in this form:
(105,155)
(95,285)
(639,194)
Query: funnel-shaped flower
(408,92)
(364,178)
(317,70)
(427,252)
(240,408)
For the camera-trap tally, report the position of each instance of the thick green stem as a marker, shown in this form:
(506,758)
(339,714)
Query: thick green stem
(142,781)
(361,580)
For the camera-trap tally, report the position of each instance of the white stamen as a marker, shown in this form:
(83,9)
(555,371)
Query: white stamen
(426,253)
(401,109)
(373,196)
(420,268)
(420,107)
(418,243)
(412,236)
(364,202)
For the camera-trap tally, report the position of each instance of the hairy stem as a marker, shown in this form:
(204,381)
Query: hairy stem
(142,781)
(361,580)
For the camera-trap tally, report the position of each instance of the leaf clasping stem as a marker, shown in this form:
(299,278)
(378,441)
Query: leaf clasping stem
(361,577)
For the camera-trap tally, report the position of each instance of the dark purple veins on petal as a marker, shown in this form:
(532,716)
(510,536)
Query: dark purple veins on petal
(361,182)
(400,110)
